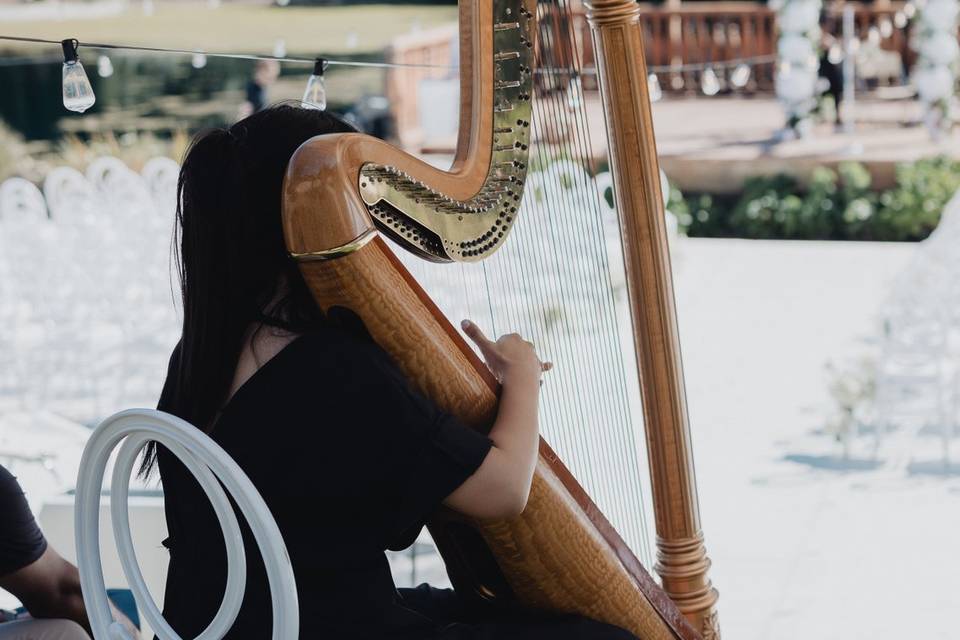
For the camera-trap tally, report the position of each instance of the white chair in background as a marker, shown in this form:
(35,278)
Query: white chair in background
(916,375)
(161,175)
(70,196)
(70,341)
(20,198)
(215,471)
(122,190)
(104,170)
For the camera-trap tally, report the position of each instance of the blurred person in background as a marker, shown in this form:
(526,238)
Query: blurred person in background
(46,584)
(831,65)
(265,73)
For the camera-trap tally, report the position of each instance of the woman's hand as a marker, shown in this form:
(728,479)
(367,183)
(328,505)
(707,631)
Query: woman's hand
(512,359)
(501,486)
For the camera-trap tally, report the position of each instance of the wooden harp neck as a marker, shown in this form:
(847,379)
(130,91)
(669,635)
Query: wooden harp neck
(339,188)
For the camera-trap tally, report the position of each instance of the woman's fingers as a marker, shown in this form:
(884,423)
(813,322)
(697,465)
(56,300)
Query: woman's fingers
(490,349)
(474,333)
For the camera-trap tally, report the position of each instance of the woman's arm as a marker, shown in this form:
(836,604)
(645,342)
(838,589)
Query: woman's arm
(500,486)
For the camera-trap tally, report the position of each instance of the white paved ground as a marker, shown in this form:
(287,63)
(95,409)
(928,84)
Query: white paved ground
(804,547)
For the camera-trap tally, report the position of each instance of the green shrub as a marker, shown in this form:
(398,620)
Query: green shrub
(834,205)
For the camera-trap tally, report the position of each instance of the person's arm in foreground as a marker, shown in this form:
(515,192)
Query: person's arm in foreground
(50,588)
(501,486)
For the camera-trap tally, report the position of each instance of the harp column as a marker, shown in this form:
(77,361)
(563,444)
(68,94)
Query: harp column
(682,561)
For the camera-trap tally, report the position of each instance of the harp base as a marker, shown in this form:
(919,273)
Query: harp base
(683,567)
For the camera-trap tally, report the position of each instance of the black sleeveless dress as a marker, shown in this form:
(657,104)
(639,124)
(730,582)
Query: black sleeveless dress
(351,461)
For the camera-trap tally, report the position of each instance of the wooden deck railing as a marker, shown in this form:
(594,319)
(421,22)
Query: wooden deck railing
(714,33)
(680,43)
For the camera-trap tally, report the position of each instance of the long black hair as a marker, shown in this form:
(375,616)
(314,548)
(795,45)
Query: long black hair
(232,263)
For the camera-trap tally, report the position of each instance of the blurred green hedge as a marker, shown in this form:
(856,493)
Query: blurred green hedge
(835,205)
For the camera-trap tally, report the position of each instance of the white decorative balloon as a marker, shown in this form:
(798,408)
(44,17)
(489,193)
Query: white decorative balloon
(938,14)
(796,86)
(797,59)
(799,15)
(940,48)
(796,49)
(934,75)
(934,83)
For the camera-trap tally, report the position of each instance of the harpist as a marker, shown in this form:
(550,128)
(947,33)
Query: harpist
(350,460)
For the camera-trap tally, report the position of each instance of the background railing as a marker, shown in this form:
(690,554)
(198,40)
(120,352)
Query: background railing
(681,43)
(701,33)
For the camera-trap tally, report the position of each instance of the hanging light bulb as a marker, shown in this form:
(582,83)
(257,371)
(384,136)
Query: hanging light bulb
(740,76)
(835,53)
(104,66)
(315,97)
(653,88)
(709,83)
(198,61)
(886,27)
(77,92)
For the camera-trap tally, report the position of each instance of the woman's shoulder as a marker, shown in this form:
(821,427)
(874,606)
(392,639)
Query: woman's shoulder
(346,351)
(344,341)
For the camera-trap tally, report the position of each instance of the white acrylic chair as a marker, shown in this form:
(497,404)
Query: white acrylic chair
(161,175)
(70,196)
(102,171)
(20,198)
(213,468)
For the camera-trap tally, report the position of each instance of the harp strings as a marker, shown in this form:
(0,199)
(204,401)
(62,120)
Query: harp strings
(621,483)
(554,282)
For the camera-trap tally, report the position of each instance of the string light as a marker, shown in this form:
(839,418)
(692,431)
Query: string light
(315,95)
(740,76)
(752,61)
(709,83)
(886,27)
(234,56)
(653,88)
(104,66)
(77,92)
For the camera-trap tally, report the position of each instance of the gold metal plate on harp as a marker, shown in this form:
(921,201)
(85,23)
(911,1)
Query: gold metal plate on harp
(441,228)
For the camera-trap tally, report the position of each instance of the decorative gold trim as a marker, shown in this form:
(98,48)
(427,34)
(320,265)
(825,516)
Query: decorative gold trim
(337,252)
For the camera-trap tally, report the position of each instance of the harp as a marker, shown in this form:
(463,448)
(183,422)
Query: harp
(345,194)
